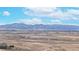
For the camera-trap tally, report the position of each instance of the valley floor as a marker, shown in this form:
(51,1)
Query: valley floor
(40,40)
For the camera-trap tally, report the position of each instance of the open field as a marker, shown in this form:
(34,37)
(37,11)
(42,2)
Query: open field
(28,40)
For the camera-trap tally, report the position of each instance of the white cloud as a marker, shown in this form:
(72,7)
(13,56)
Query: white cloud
(55,13)
(38,21)
(72,14)
(6,13)
(40,12)
(55,22)
(31,21)
(43,9)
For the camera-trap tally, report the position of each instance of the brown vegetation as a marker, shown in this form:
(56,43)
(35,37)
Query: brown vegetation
(39,40)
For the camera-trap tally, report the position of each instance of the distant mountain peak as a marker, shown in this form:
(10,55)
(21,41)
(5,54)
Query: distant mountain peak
(39,27)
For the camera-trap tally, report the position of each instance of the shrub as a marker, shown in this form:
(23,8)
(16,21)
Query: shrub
(11,46)
(3,46)
(6,46)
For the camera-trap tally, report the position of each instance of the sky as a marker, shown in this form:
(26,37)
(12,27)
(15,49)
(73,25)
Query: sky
(40,15)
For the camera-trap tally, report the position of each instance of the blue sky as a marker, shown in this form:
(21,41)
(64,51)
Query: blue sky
(40,15)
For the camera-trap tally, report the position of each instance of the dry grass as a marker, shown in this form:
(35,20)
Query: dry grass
(40,40)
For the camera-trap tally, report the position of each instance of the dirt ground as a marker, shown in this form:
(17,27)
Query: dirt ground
(24,40)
